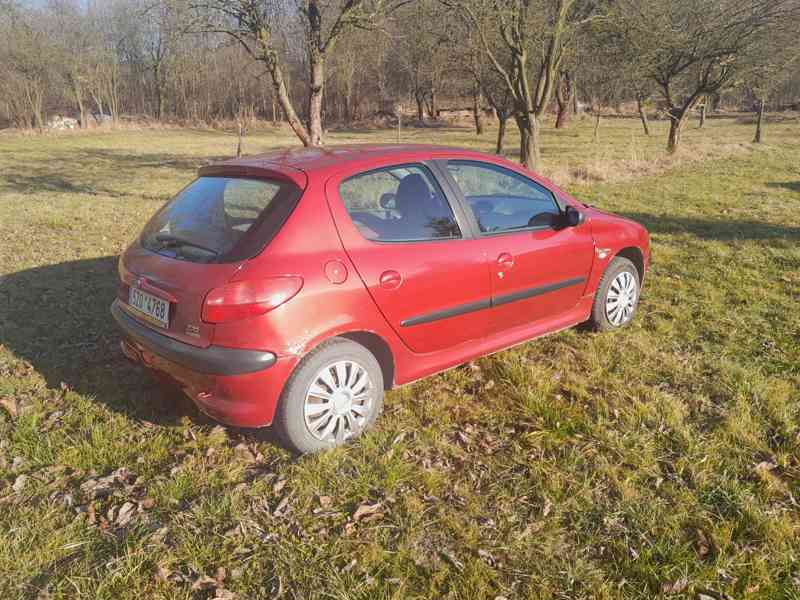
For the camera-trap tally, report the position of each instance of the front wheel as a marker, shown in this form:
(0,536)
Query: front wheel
(334,395)
(617,295)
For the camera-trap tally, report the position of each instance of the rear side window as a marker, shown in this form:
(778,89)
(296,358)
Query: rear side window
(397,204)
(220,219)
(502,200)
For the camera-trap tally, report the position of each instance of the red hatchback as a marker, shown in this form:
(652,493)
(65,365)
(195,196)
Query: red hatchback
(294,287)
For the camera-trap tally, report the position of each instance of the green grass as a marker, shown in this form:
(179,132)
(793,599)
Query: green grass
(663,458)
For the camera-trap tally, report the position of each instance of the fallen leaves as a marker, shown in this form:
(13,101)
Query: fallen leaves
(244,452)
(279,485)
(675,587)
(368,512)
(9,403)
(19,483)
(704,544)
(125,514)
(103,486)
(119,486)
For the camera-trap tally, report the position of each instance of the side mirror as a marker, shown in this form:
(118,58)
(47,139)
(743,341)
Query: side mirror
(573,217)
(387,201)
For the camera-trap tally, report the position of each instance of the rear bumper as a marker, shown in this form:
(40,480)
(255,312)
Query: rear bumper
(214,360)
(234,386)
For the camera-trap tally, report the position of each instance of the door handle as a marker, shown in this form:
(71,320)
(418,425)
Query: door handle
(505,260)
(390,280)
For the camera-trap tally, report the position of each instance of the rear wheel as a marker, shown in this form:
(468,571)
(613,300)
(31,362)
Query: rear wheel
(334,395)
(617,295)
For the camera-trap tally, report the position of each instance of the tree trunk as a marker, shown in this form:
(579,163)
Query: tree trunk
(279,86)
(77,91)
(317,60)
(563,97)
(529,153)
(477,110)
(574,94)
(82,110)
(561,116)
(759,137)
(241,135)
(157,83)
(642,114)
(703,113)
(597,126)
(420,98)
(501,132)
(678,117)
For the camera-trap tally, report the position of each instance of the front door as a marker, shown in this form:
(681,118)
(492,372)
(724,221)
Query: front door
(538,267)
(430,281)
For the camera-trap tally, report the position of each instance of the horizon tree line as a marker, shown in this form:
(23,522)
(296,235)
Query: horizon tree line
(312,62)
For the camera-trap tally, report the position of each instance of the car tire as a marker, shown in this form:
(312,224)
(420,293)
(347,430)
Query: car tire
(620,282)
(332,397)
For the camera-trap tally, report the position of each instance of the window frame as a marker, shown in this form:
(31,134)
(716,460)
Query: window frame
(453,201)
(444,168)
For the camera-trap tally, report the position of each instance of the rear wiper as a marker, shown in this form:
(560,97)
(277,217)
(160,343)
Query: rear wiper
(168,240)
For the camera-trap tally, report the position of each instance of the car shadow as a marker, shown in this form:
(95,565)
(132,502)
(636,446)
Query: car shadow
(56,317)
(715,229)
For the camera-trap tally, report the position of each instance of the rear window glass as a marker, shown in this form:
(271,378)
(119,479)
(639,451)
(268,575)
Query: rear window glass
(211,219)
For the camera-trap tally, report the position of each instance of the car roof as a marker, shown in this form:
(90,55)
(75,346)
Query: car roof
(333,158)
(298,163)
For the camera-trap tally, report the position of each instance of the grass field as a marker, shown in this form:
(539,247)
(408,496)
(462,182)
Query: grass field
(663,460)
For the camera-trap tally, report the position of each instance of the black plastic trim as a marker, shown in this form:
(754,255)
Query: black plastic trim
(213,360)
(463,309)
(537,291)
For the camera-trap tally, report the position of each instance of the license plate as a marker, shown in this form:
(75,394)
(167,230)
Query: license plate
(155,310)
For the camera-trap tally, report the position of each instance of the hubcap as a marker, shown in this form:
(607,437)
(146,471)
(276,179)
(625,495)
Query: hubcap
(338,401)
(621,298)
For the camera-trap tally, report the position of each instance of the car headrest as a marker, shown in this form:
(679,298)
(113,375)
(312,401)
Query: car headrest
(413,196)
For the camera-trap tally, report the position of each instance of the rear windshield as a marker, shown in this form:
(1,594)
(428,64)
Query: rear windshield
(220,219)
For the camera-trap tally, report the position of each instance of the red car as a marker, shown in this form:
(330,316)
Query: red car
(294,287)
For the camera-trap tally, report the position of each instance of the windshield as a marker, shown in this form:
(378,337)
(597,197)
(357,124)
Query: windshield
(215,219)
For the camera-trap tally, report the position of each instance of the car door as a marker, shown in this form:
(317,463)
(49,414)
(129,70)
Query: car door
(429,278)
(538,265)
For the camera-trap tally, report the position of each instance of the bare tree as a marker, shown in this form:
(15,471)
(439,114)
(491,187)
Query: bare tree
(564,91)
(525,41)
(769,65)
(692,48)
(253,25)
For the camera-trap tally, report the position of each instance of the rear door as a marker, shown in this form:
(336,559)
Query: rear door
(539,268)
(410,246)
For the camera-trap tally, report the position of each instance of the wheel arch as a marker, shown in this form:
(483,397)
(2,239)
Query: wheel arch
(635,255)
(380,350)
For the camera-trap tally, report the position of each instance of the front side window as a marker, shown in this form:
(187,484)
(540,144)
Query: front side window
(502,200)
(209,217)
(399,203)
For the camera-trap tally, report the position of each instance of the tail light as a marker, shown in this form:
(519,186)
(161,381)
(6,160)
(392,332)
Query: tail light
(245,299)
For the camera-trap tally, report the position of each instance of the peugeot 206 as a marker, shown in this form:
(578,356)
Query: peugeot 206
(293,288)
